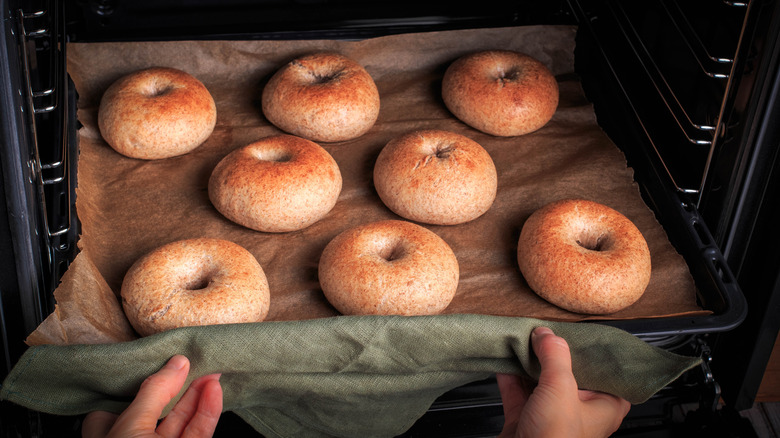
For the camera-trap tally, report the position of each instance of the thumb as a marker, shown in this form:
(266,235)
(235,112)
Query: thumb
(555,359)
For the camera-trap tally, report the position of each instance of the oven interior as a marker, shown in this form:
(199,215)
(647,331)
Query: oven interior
(670,82)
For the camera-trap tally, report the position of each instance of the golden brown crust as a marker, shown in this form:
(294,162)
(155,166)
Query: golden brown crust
(194,282)
(584,257)
(156,113)
(500,92)
(322,97)
(388,268)
(277,184)
(436,177)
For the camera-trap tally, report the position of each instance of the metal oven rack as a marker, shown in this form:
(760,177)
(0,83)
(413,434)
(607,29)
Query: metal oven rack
(39,162)
(684,120)
(683,138)
(691,75)
(47,90)
(675,80)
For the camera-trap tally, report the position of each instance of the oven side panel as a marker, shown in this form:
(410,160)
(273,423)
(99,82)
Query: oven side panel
(20,257)
(744,204)
(737,204)
(20,287)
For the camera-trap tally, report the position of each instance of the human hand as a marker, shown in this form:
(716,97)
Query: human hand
(555,407)
(195,415)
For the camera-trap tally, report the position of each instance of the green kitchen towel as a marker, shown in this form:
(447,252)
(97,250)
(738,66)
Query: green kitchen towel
(346,376)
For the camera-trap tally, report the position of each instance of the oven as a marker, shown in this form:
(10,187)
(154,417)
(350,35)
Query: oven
(688,91)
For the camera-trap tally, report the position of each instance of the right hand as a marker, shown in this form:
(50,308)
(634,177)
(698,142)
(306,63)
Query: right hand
(555,407)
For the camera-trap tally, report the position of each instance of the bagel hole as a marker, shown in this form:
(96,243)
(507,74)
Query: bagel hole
(391,253)
(509,75)
(438,149)
(199,283)
(444,151)
(276,155)
(158,90)
(325,77)
(317,74)
(594,243)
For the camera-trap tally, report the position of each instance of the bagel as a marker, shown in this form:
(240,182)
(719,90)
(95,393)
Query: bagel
(500,92)
(156,113)
(584,257)
(388,268)
(324,97)
(436,177)
(277,184)
(194,282)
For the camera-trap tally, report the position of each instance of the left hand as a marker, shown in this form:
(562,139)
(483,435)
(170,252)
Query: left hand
(195,415)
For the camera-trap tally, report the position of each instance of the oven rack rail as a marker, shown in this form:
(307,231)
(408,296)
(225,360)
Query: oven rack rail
(46,107)
(39,37)
(603,76)
(692,130)
(704,133)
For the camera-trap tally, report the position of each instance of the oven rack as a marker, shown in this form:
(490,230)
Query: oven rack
(641,123)
(50,164)
(695,132)
(683,131)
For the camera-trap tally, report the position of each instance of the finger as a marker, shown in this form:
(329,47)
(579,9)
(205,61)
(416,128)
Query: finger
(601,400)
(155,393)
(97,424)
(204,422)
(620,404)
(514,394)
(605,412)
(554,357)
(174,423)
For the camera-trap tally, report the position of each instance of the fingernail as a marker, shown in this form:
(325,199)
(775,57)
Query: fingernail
(177,362)
(540,331)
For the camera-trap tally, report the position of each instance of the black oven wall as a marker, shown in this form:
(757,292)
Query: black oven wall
(117,20)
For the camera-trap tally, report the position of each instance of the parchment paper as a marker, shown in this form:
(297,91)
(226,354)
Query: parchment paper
(128,207)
